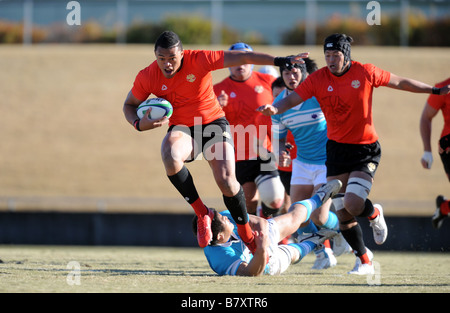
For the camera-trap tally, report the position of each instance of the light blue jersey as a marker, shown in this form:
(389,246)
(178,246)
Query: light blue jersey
(307,123)
(224,259)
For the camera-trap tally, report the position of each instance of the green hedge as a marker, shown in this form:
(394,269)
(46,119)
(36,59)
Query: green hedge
(197,30)
(422,32)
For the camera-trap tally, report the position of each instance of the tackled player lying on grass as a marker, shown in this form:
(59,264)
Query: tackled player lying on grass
(228,255)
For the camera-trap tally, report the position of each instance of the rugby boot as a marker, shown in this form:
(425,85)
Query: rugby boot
(438,217)
(324,259)
(204,233)
(379,227)
(329,190)
(363,268)
(340,245)
(319,237)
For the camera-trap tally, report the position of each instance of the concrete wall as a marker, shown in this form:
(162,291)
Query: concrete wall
(56,228)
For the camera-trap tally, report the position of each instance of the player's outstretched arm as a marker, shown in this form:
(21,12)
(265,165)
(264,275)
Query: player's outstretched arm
(282,105)
(411,85)
(234,58)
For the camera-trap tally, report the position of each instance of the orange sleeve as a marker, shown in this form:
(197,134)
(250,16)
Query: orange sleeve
(139,89)
(379,77)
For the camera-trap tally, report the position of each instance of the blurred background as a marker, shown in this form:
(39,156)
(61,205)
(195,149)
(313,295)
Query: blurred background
(272,22)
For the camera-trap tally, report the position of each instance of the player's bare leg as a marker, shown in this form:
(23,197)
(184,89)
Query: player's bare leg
(176,148)
(220,157)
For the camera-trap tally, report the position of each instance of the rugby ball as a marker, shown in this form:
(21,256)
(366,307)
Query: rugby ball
(160,108)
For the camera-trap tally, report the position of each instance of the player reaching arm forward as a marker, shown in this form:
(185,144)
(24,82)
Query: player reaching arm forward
(395,82)
(344,90)
(183,77)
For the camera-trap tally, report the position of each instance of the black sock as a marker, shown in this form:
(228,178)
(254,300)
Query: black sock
(268,211)
(237,207)
(368,209)
(355,239)
(185,185)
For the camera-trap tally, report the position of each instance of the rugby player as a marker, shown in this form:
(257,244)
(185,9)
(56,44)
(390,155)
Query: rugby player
(227,255)
(183,77)
(433,105)
(344,90)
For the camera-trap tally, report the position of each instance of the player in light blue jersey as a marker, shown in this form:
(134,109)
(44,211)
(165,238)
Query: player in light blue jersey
(228,255)
(306,122)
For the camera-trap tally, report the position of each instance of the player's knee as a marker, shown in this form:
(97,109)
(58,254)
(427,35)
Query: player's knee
(356,194)
(271,190)
(170,155)
(354,205)
(319,217)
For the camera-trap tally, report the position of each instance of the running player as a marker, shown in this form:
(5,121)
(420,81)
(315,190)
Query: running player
(183,77)
(307,123)
(344,90)
(433,105)
(240,94)
(227,255)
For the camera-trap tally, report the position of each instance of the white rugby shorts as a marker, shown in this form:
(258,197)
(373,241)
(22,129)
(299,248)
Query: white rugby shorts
(308,174)
(280,256)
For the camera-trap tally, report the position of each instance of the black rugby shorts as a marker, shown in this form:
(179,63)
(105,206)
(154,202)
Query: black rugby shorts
(445,157)
(345,158)
(207,134)
(248,170)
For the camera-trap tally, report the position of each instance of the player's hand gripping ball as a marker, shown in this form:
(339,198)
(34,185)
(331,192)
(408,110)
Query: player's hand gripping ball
(159,108)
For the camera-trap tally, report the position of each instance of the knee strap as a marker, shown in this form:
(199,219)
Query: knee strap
(359,186)
(337,202)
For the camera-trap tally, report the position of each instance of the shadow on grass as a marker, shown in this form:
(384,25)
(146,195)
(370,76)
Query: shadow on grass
(126,272)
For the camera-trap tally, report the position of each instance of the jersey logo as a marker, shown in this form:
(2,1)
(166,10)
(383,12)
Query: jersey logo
(330,88)
(356,84)
(259,89)
(190,78)
(164,87)
(233,94)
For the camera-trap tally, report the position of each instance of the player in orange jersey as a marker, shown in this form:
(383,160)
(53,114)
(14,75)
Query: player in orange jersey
(344,90)
(183,77)
(433,105)
(240,94)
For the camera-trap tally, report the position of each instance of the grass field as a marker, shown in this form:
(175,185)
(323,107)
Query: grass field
(63,136)
(52,269)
